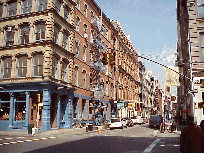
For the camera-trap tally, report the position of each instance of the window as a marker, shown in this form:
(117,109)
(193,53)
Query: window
(38,65)
(75,108)
(57,6)
(83,108)
(85,10)
(22,66)
(12,9)
(200,8)
(56,34)
(77,24)
(42,5)
(106,33)
(76,75)
(78,4)
(201,39)
(64,71)
(85,30)
(91,57)
(91,17)
(24,34)
(91,36)
(91,81)
(9,36)
(65,40)
(54,67)
(1,10)
(26,6)
(66,14)
(6,67)
(84,79)
(84,53)
(77,49)
(40,29)
(20,111)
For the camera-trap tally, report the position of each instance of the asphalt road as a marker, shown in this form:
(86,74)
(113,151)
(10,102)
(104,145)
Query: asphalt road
(135,139)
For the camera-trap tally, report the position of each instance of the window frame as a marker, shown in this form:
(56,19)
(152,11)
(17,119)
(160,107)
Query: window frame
(28,7)
(7,68)
(41,31)
(55,67)
(56,34)
(58,4)
(76,75)
(6,36)
(66,13)
(11,10)
(84,79)
(64,71)
(25,34)
(77,47)
(85,10)
(77,23)
(41,6)
(78,4)
(23,67)
(84,53)
(201,43)
(65,40)
(1,10)
(39,65)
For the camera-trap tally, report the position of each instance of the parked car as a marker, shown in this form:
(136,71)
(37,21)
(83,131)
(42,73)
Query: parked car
(128,121)
(124,122)
(134,119)
(115,123)
(139,120)
(154,120)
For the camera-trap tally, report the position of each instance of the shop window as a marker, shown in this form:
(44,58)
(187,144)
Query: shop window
(65,40)
(57,6)
(6,67)
(76,76)
(77,49)
(42,5)
(24,34)
(20,96)
(66,13)
(64,71)
(56,34)
(4,110)
(84,79)
(26,6)
(20,111)
(77,24)
(22,66)
(54,67)
(12,9)
(9,36)
(38,65)
(1,10)
(40,29)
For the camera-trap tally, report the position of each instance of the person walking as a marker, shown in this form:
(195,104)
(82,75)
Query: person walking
(191,138)
(161,124)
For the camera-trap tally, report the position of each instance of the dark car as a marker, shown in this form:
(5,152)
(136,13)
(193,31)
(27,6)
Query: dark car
(154,120)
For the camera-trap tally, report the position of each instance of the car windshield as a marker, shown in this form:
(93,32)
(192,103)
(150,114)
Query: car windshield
(115,120)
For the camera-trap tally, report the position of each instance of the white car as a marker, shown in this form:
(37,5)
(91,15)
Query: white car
(134,119)
(115,123)
(139,120)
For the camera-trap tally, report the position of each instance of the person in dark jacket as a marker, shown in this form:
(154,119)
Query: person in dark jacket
(191,138)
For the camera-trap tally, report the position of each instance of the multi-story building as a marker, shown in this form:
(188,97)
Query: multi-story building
(190,24)
(63,62)
(36,60)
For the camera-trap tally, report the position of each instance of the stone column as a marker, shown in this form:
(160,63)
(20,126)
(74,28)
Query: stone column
(45,122)
(27,109)
(68,113)
(58,112)
(11,111)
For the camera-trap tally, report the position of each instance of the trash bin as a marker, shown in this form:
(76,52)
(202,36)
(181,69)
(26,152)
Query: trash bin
(30,126)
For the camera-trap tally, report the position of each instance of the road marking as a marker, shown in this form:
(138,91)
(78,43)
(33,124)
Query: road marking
(20,141)
(151,146)
(176,145)
(28,140)
(20,137)
(36,139)
(8,138)
(6,143)
(162,145)
(13,142)
(52,137)
(43,138)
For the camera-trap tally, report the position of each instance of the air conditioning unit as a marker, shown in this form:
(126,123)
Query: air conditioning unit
(85,36)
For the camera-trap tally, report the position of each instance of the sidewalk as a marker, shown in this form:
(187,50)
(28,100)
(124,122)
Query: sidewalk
(173,134)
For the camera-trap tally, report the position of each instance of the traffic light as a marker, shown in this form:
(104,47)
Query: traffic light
(111,58)
(39,98)
(104,59)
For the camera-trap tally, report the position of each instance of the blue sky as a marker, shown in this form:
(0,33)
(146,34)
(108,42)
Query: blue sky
(151,25)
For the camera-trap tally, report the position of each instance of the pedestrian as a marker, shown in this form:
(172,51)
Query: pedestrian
(161,124)
(191,138)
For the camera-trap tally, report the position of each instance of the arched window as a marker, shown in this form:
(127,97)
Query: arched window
(9,36)
(38,65)
(84,79)
(22,66)
(54,67)
(42,5)
(24,34)
(77,49)
(6,67)
(26,6)
(40,28)
(56,34)
(77,24)
(12,8)
(64,71)
(84,53)
(76,75)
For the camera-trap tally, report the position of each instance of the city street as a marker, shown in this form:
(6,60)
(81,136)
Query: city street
(138,138)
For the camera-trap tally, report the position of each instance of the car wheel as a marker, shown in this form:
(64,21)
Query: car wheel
(111,128)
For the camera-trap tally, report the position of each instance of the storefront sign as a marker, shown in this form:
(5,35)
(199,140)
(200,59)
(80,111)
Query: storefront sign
(120,105)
